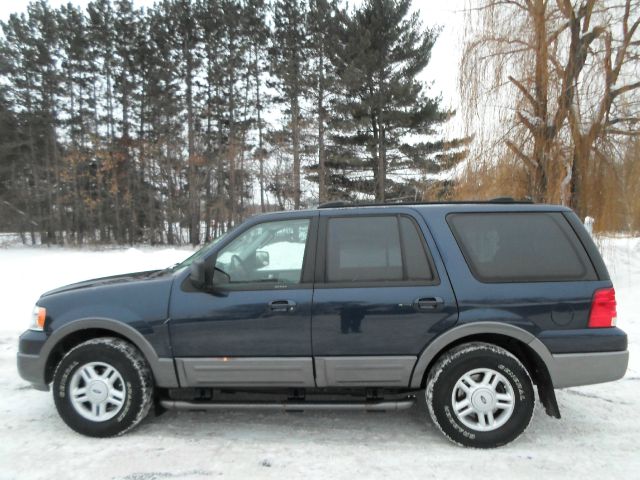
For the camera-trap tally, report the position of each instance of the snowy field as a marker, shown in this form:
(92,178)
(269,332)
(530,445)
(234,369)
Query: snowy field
(596,438)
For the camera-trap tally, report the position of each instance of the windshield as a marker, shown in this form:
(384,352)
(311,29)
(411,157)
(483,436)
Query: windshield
(199,254)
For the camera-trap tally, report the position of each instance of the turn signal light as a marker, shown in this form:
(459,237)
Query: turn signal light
(38,317)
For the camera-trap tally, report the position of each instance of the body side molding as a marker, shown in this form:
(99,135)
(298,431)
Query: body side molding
(163,369)
(369,371)
(246,372)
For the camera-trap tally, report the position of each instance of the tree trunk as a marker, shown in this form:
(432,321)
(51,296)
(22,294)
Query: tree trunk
(260,140)
(382,163)
(322,185)
(295,131)
(194,200)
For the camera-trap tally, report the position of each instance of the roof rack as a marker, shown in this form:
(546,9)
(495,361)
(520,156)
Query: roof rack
(500,200)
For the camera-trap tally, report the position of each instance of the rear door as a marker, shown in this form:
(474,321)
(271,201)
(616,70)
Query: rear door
(381,294)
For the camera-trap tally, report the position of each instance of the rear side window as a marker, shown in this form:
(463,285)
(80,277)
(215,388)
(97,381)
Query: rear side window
(417,263)
(375,248)
(521,247)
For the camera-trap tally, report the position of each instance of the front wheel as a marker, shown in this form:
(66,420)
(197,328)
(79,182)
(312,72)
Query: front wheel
(480,395)
(103,387)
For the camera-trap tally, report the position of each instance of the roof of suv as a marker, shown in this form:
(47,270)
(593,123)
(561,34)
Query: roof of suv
(496,205)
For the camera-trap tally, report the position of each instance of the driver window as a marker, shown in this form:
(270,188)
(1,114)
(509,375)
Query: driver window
(271,252)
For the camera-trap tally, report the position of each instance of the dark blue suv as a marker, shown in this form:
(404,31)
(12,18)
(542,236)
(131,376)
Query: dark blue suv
(347,307)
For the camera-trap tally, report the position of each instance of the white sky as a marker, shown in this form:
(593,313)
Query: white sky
(442,70)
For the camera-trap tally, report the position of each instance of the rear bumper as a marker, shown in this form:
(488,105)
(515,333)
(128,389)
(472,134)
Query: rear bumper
(575,369)
(584,340)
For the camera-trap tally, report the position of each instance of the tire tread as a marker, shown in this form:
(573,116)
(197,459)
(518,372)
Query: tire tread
(451,356)
(137,361)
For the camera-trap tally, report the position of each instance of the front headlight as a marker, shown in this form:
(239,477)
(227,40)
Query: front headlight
(37,318)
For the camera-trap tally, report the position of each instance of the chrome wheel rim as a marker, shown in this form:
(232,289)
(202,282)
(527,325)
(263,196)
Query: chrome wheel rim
(97,391)
(483,399)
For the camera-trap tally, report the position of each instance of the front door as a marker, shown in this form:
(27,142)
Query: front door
(255,328)
(379,299)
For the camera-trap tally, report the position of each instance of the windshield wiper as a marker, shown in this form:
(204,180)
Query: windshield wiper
(163,271)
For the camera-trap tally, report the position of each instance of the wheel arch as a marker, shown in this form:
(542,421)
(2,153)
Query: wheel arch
(519,342)
(73,333)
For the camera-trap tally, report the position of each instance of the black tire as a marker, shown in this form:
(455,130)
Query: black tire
(135,380)
(461,360)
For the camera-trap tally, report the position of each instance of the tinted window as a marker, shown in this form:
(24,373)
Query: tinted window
(364,249)
(521,247)
(418,267)
(271,252)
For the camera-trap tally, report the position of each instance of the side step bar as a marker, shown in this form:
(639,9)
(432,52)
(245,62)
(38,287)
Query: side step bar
(372,406)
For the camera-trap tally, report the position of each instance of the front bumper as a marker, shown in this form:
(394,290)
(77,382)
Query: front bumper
(31,365)
(575,369)
(31,369)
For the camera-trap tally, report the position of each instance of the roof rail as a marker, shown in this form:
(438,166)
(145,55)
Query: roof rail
(337,204)
(500,200)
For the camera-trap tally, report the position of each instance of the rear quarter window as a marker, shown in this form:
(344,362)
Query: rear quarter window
(521,247)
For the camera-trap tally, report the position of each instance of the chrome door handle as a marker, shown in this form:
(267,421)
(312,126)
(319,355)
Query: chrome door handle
(282,306)
(431,303)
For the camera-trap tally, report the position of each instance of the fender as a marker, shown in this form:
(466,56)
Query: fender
(476,328)
(163,369)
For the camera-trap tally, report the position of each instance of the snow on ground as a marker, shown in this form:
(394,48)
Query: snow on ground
(596,438)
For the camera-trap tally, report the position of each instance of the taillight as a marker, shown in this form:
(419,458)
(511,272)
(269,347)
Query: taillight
(603,309)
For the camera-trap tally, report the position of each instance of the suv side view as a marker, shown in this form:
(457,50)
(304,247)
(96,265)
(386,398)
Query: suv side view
(347,307)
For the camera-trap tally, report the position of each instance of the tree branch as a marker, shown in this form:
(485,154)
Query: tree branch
(524,91)
(521,155)
(625,88)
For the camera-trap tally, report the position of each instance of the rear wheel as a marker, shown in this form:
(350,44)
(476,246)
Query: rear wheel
(103,387)
(480,395)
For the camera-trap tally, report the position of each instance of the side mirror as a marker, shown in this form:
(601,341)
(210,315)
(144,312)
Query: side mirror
(262,258)
(198,274)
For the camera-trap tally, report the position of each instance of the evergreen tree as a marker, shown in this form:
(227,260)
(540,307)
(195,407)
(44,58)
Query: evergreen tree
(101,37)
(215,130)
(258,36)
(129,125)
(30,46)
(182,20)
(288,53)
(124,168)
(78,105)
(383,108)
(322,18)
(165,138)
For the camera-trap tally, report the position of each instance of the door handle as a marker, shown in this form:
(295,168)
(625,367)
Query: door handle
(282,306)
(432,303)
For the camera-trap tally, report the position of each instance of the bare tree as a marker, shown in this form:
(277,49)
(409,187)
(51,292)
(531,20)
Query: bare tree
(552,83)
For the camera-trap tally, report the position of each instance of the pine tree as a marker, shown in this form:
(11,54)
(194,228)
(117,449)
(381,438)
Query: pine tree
(214,132)
(23,159)
(79,74)
(383,104)
(30,47)
(101,37)
(183,22)
(258,35)
(165,122)
(322,18)
(126,123)
(288,52)
(124,166)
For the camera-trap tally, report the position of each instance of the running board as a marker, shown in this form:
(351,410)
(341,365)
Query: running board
(371,406)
